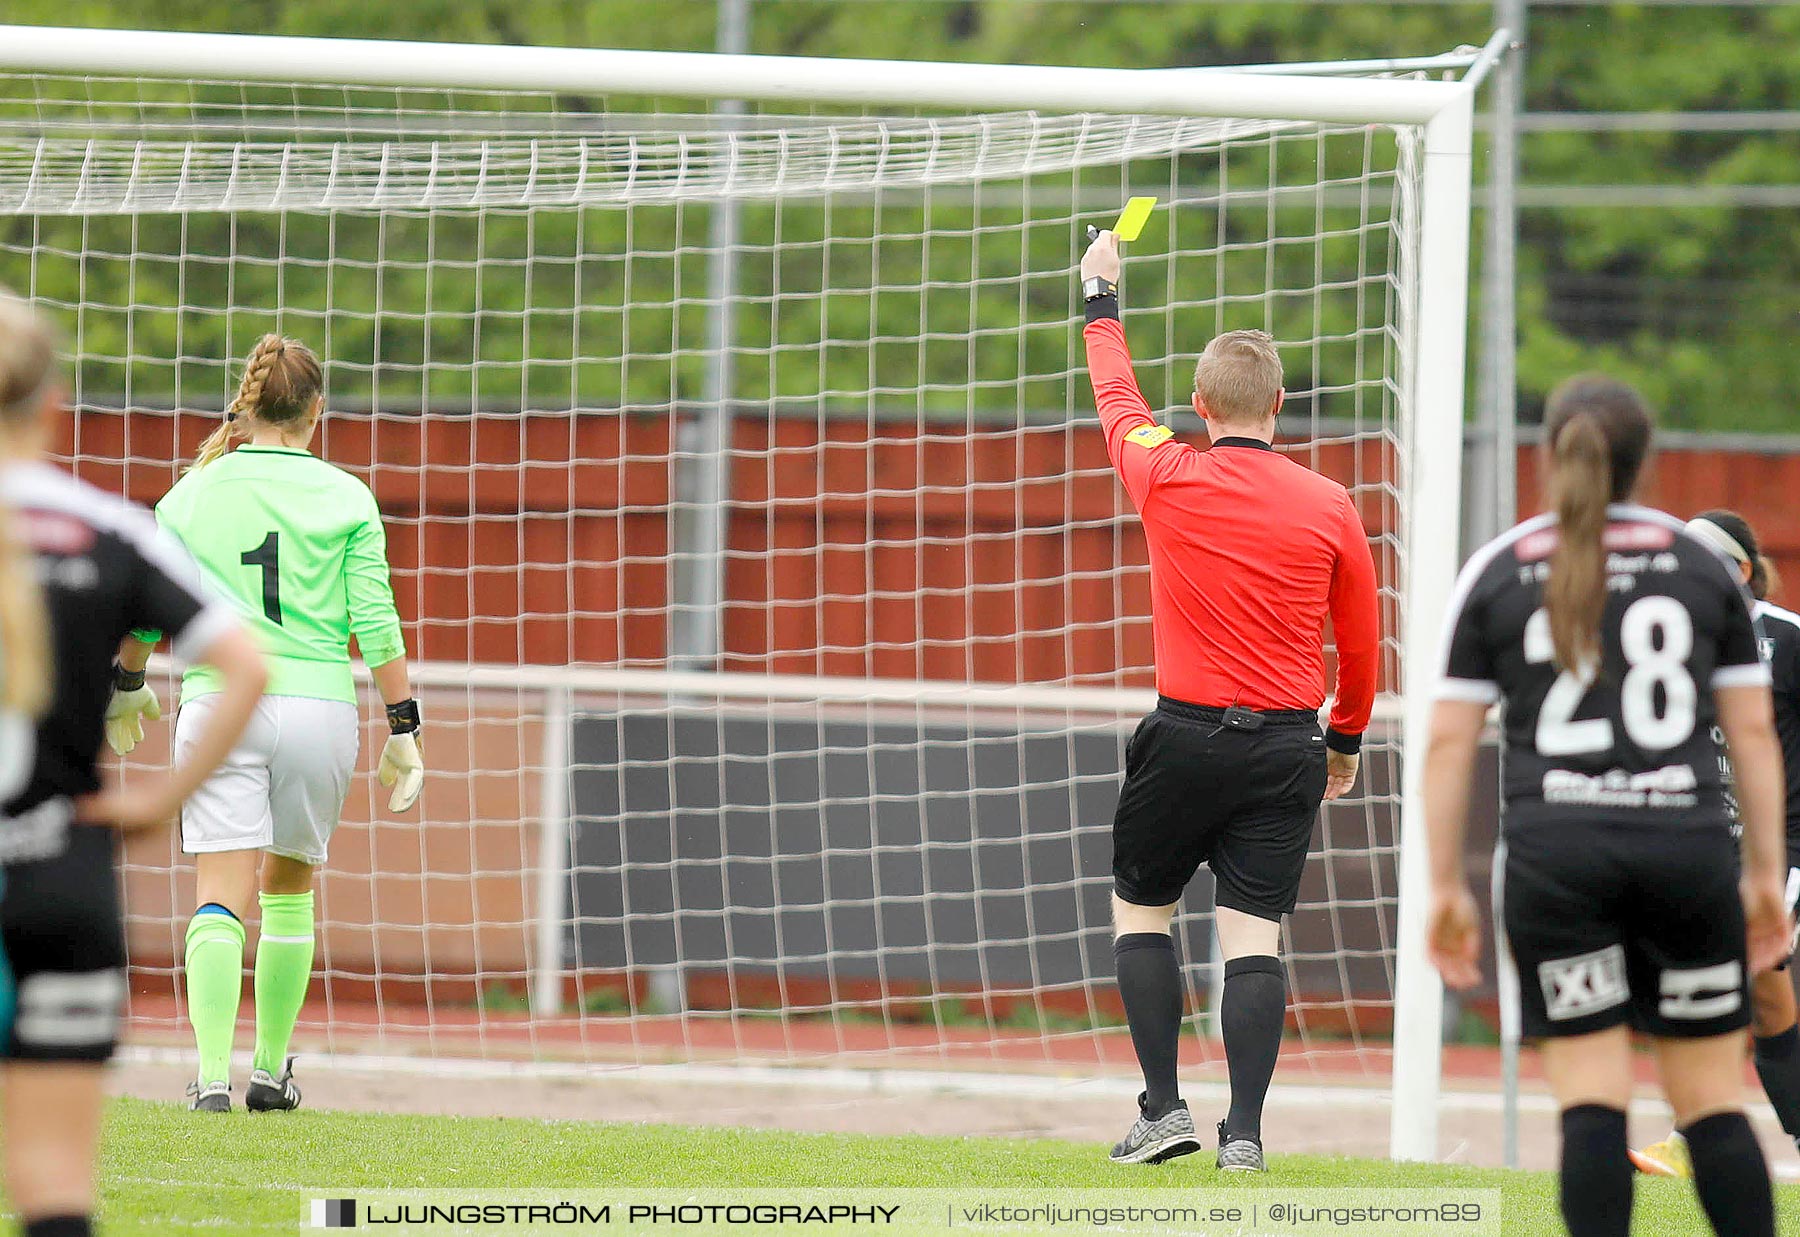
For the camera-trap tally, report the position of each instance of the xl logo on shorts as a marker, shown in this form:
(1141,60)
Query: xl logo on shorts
(1702,992)
(1585,984)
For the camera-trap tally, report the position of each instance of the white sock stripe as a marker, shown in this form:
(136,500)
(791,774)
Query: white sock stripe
(288,940)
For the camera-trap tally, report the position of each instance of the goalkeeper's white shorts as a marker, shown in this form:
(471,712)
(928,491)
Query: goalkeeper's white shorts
(282,788)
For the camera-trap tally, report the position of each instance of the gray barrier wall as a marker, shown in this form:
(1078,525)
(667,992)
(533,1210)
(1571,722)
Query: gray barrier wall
(908,853)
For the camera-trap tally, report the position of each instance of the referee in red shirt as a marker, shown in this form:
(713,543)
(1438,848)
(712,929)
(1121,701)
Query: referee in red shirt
(1249,552)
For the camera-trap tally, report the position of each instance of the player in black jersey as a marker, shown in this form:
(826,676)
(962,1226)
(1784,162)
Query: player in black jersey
(1772,1009)
(104,570)
(24,684)
(1617,639)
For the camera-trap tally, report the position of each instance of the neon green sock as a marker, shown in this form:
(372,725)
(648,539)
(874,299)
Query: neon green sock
(215,982)
(283,969)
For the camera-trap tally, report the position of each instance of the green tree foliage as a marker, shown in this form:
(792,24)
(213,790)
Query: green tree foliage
(1696,303)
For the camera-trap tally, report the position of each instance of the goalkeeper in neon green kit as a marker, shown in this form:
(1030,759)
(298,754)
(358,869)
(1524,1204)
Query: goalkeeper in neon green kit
(298,547)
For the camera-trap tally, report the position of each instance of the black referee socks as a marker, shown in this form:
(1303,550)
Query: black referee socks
(1778,1066)
(1252,1012)
(1150,987)
(1730,1175)
(1596,1173)
(59,1226)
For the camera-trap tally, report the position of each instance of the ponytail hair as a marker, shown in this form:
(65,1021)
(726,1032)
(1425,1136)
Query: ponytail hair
(1575,594)
(282,381)
(214,445)
(1597,436)
(27,373)
(24,630)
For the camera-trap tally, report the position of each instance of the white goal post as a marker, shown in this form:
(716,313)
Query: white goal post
(248,175)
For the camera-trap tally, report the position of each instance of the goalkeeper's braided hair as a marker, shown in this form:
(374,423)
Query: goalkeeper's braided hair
(27,374)
(282,381)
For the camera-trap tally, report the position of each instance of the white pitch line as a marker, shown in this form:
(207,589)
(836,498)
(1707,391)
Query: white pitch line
(179,1183)
(878,1081)
(904,1082)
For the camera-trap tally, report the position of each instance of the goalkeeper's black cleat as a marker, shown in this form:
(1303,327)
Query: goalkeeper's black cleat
(211,1097)
(1164,1138)
(267,1093)
(1240,1153)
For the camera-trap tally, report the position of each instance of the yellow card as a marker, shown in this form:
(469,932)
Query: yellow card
(1132,218)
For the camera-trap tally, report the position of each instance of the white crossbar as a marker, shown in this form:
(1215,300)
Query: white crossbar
(697,75)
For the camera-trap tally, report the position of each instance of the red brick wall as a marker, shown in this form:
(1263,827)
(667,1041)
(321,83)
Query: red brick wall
(1007,556)
(1762,487)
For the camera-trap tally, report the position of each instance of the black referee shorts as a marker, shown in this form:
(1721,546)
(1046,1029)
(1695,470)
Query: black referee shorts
(1242,801)
(65,942)
(1612,922)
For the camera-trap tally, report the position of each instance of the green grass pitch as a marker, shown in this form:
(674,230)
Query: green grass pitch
(168,1171)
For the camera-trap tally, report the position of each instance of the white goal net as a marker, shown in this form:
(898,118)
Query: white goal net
(778,620)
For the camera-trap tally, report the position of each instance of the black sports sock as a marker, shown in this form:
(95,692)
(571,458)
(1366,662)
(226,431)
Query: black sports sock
(1150,986)
(1731,1176)
(1596,1172)
(59,1226)
(1252,1012)
(1778,1065)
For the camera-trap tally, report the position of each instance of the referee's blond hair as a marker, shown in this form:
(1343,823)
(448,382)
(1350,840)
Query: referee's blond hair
(27,375)
(1238,377)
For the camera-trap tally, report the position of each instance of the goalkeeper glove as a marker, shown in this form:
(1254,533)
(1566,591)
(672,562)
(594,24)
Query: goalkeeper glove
(402,767)
(132,701)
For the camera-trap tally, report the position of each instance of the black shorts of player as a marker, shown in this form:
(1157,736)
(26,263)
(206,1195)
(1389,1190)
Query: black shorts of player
(1610,922)
(59,922)
(1241,798)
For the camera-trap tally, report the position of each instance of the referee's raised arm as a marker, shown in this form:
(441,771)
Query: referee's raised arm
(1124,412)
(1250,554)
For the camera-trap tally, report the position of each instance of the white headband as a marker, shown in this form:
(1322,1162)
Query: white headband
(1719,539)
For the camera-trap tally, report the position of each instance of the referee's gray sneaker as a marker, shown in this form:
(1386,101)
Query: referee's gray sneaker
(1240,1153)
(1152,1142)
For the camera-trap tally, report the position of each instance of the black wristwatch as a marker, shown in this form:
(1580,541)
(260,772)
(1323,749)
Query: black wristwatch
(403,718)
(126,680)
(1098,286)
